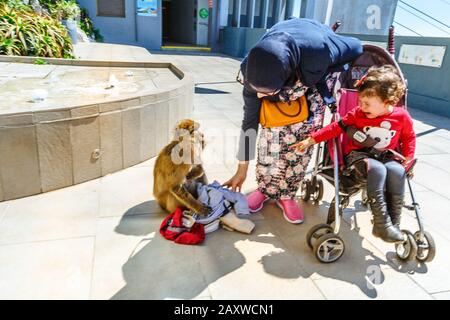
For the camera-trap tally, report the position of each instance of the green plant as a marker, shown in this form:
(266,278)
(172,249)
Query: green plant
(16,4)
(49,5)
(40,61)
(88,27)
(67,10)
(25,33)
(61,9)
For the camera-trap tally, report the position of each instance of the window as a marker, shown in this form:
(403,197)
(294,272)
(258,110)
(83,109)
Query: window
(111,8)
(428,56)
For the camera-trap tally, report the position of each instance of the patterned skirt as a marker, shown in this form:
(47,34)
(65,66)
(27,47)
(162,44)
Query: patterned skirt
(280,169)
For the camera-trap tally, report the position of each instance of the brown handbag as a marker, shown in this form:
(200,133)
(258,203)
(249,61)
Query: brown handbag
(279,114)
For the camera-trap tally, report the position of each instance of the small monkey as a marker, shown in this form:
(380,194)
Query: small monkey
(178,167)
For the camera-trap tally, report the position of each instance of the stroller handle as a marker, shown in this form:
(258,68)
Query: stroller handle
(336,25)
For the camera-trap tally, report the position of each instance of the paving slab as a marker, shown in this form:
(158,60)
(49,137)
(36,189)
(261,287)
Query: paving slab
(433,177)
(149,274)
(359,259)
(3,206)
(148,163)
(47,270)
(266,269)
(442,295)
(432,144)
(60,214)
(118,240)
(435,210)
(432,276)
(440,161)
(395,286)
(127,192)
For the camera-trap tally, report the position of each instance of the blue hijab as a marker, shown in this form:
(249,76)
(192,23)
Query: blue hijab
(272,62)
(296,47)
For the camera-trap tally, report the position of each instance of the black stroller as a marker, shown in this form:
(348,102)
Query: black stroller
(324,239)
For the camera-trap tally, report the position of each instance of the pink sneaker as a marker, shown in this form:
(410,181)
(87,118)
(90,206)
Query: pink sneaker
(291,211)
(256,200)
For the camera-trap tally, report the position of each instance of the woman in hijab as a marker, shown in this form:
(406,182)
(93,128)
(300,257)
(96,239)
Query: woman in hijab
(295,57)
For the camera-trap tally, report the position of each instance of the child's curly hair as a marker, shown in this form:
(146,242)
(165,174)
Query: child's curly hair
(383,82)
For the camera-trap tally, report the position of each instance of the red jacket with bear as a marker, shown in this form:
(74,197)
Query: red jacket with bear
(392,130)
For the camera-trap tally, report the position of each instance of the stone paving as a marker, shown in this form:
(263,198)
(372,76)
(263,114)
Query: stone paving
(100,240)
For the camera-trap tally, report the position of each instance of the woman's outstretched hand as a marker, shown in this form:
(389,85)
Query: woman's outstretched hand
(236,182)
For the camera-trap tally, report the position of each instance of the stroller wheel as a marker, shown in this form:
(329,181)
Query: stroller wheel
(426,248)
(316,232)
(407,250)
(305,190)
(329,248)
(317,193)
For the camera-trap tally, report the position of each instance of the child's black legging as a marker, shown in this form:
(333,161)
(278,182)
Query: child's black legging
(389,176)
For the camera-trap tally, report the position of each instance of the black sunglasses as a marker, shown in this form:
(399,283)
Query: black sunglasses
(271,93)
(242,81)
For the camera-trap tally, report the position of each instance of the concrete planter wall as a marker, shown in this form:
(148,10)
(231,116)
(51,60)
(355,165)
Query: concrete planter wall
(48,150)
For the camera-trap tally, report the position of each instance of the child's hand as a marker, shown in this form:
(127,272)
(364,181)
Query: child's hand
(303,145)
(406,162)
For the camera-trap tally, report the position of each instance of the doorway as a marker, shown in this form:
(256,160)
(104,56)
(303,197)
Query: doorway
(166,21)
(185,24)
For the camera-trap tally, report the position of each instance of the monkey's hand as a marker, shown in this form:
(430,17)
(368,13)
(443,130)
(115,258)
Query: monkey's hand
(204,211)
(196,172)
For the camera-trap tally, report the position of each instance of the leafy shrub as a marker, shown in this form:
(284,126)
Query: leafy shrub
(61,9)
(25,33)
(16,4)
(66,10)
(88,27)
(40,61)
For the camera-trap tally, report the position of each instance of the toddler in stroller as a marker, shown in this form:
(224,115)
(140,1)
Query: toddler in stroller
(376,129)
(375,156)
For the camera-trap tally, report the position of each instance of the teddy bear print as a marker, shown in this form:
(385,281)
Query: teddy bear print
(382,134)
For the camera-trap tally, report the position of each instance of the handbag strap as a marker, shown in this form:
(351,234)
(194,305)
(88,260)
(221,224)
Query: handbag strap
(290,115)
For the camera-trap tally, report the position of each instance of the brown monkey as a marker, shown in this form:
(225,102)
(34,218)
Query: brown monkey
(178,165)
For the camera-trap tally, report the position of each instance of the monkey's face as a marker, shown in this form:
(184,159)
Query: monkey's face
(188,127)
(198,140)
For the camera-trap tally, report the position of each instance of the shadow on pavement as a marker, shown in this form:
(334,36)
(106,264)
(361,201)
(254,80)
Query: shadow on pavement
(358,266)
(391,257)
(165,270)
(200,90)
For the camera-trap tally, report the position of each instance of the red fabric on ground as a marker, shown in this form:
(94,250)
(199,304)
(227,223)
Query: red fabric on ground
(172,229)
